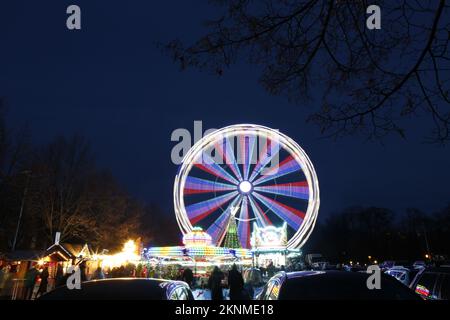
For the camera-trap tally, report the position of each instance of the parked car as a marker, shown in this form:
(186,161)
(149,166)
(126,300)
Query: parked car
(419,264)
(124,289)
(402,274)
(332,285)
(357,268)
(385,265)
(433,283)
(316,261)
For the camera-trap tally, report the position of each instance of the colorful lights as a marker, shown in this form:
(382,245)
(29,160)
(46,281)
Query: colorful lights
(248,183)
(423,291)
(127,255)
(129,248)
(245,187)
(207,251)
(269,237)
(197,238)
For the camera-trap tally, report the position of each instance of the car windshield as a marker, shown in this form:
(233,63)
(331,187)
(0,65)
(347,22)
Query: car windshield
(426,284)
(445,287)
(397,274)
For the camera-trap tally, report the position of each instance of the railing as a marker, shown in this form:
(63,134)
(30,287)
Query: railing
(18,289)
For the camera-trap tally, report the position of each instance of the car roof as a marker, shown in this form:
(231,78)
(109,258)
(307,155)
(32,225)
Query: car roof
(333,284)
(117,289)
(441,269)
(399,268)
(297,274)
(154,281)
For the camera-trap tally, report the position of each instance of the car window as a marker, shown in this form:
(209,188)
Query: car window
(183,294)
(445,287)
(173,295)
(268,290)
(273,295)
(425,285)
(179,293)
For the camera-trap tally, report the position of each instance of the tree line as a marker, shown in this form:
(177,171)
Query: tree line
(356,233)
(57,187)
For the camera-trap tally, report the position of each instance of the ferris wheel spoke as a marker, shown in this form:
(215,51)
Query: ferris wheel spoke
(297,190)
(247,145)
(244,225)
(208,165)
(230,159)
(200,210)
(196,185)
(227,157)
(218,228)
(293,217)
(285,167)
(268,151)
(261,218)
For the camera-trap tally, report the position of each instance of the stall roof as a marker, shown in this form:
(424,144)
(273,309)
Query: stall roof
(67,251)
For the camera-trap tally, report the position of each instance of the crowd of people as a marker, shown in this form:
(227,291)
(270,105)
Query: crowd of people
(38,279)
(219,280)
(6,281)
(35,282)
(216,282)
(7,278)
(235,284)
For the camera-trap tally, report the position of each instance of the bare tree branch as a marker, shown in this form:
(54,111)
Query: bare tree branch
(365,80)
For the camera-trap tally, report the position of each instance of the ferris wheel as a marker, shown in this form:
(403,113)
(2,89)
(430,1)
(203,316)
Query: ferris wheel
(245,175)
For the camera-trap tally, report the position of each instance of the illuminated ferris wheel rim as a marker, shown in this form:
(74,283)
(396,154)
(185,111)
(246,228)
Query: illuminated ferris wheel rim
(302,234)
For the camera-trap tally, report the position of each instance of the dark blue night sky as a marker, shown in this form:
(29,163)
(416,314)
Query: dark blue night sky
(110,83)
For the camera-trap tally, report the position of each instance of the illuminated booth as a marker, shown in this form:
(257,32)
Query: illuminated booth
(269,246)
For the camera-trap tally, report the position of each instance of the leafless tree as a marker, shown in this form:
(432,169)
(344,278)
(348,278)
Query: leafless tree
(70,195)
(61,197)
(15,147)
(366,81)
(117,214)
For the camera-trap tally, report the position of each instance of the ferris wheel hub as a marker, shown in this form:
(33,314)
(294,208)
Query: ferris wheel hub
(245,186)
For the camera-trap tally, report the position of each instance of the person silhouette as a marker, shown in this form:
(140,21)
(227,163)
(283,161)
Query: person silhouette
(215,284)
(235,283)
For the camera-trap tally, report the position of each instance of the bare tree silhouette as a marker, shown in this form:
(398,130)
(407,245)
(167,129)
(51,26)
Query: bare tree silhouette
(367,81)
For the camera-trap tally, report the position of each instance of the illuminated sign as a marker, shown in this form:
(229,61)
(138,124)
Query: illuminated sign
(269,237)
